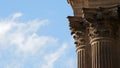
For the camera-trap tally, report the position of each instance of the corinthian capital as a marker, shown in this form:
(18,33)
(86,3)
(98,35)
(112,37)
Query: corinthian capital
(103,21)
(78,30)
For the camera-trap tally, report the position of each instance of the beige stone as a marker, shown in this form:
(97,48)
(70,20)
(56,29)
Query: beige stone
(95,28)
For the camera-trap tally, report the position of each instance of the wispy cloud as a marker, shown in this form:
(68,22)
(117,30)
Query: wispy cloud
(52,58)
(16,15)
(70,63)
(21,43)
(13,65)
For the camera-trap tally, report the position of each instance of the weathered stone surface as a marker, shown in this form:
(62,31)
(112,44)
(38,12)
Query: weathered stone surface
(77,5)
(95,28)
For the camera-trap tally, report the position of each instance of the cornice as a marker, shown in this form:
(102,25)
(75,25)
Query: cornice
(102,14)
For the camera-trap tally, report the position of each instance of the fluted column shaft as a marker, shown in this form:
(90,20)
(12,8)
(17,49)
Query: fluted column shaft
(101,53)
(101,40)
(81,58)
(81,52)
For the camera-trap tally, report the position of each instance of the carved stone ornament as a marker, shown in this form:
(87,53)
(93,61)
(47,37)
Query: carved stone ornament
(96,33)
(102,21)
(78,29)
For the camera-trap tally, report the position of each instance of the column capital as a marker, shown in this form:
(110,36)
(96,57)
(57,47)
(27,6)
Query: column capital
(78,30)
(103,21)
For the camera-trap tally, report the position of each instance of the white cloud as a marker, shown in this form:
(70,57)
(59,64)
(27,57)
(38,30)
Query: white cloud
(26,44)
(22,34)
(13,65)
(70,63)
(4,27)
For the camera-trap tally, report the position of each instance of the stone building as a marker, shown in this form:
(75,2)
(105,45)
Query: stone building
(95,28)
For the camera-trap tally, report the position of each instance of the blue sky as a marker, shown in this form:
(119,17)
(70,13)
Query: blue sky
(35,34)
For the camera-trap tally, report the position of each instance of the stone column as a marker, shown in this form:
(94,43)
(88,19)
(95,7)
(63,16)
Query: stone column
(78,30)
(102,33)
(79,38)
(101,44)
